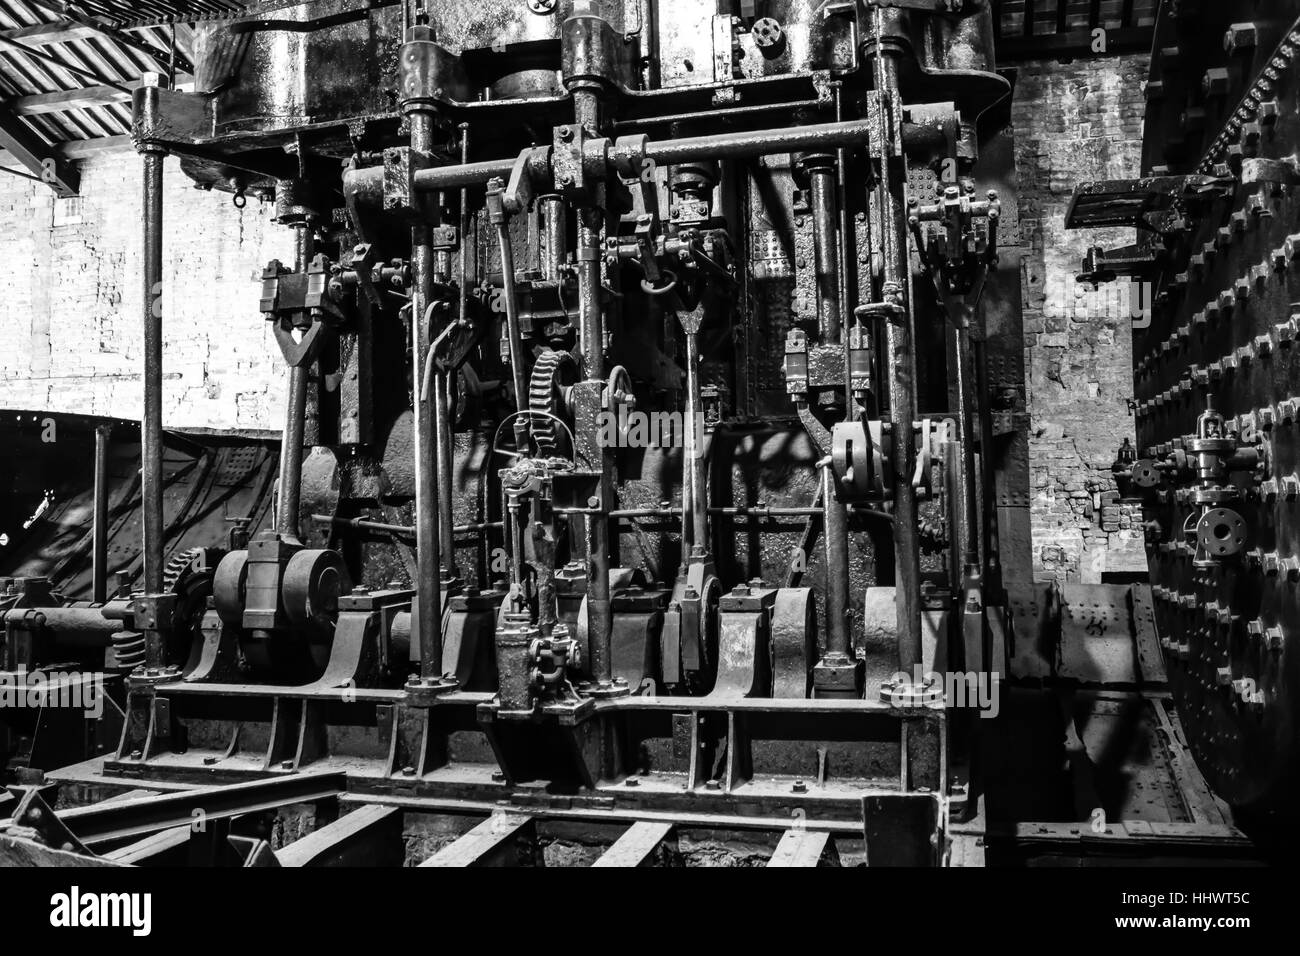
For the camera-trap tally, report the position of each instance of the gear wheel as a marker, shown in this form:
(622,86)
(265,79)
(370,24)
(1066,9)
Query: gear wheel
(189,576)
(554,373)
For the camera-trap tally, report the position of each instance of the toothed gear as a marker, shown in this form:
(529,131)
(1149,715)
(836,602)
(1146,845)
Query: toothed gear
(177,566)
(553,373)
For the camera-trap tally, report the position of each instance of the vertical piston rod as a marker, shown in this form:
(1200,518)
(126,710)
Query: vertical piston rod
(151,452)
(295,416)
(103,443)
(901,359)
(428,560)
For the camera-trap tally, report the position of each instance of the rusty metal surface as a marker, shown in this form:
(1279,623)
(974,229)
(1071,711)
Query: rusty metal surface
(1221,336)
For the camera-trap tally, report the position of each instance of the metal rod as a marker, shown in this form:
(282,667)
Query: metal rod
(965,423)
(890,198)
(103,440)
(151,449)
(694,465)
(818,136)
(553,236)
(295,415)
(826,251)
(836,540)
(427,540)
(514,333)
(795,139)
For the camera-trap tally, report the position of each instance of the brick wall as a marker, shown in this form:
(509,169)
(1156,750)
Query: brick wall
(71,297)
(1076,121)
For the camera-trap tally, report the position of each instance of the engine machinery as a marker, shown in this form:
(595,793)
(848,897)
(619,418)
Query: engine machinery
(655,430)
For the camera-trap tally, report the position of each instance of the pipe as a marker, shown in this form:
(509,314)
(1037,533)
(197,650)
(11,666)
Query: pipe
(553,236)
(965,422)
(817,137)
(890,198)
(821,179)
(427,540)
(746,145)
(509,295)
(694,465)
(151,450)
(442,416)
(836,539)
(99,548)
(363,524)
(295,417)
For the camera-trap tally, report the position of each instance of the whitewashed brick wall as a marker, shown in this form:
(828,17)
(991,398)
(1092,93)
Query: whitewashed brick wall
(71,292)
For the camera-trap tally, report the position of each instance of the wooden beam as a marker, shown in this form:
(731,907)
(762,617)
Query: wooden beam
(801,848)
(637,846)
(80,148)
(492,843)
(22,143)
(49,34)
(35,104)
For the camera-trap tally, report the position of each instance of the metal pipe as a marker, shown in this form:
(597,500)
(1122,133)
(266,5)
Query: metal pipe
(363,524)
(821,179)
(836,539)
(817,137)
(992,564)
(746,145)
(694,470)
(821,175)
(103,438)
(151,449)
(553,236)
(890,198)
(965,423)
(514,332)
(427,540)
(295,415)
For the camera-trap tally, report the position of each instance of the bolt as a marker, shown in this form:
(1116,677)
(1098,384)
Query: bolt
(800,787)
(408,771)
(713,785)
(286,764)
(631,782)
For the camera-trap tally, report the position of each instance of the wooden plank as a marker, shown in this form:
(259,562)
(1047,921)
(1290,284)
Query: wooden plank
(369,836)
(153,846)
(491,843)
(36,104)
(82,148)
(637,846)
(50,34)
(800,848)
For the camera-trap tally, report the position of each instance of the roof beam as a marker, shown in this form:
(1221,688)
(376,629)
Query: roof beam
(50,34)
(22,143)
(78,149)
(61,100)
(113,33)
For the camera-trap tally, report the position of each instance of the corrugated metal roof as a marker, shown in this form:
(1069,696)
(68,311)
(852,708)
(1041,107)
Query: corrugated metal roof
(37,66)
